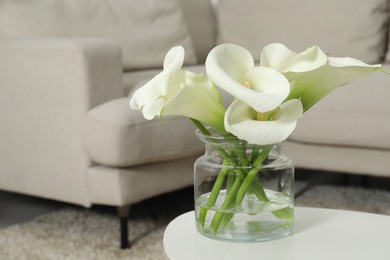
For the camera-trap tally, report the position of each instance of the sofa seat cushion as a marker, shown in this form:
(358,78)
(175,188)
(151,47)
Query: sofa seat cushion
(116,135)
(354,28)
(145,29)
(356,115)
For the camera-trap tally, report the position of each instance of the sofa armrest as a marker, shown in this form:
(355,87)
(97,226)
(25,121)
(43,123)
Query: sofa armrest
(47,86)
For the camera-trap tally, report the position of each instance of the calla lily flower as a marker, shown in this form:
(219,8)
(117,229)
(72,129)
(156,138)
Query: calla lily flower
(312,74)
(200,100)
(231,68)
(259,128)
(313,86)
(175,91)
(155,94)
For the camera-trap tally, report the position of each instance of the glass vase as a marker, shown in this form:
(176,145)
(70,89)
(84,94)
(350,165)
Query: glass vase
(243,192)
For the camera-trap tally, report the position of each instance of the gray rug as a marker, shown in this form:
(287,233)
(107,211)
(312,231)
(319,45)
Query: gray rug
(77,233)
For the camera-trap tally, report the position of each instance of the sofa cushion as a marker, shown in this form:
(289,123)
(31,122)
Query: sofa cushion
(354,28)
(387,58)
(118,136)
(145,29)
(356,115)
(200,18)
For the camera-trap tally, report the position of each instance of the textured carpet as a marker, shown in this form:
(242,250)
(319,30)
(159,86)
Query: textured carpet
(77,233)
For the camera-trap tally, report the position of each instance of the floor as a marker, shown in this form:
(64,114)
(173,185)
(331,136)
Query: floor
(17,208)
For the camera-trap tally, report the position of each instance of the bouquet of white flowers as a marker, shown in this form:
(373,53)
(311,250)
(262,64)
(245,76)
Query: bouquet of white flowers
(268,101)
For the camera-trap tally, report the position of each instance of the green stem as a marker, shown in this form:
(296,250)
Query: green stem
(205,132)
(226,219)
(226,204)
(238,191)
(201,127)
(237,186)
(230,181)
(213,195)
(251,176)
(255,153)
(259,190)
(257,160)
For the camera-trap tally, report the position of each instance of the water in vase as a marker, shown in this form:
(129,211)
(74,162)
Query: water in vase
(251,220)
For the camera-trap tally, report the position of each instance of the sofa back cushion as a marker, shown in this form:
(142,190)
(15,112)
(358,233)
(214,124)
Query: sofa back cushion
(388,47)
(201,22)
(354,28)
(145,29)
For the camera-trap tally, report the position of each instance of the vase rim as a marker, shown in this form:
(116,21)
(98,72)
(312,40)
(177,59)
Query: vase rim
(218,138)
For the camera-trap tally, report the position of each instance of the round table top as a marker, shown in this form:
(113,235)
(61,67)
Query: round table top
(319,234)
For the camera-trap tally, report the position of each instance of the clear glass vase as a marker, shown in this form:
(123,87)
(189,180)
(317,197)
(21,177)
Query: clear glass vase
(243,192)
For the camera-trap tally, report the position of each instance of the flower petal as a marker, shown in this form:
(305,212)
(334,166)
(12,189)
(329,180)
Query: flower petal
(240,120)
(229,66)
(174,59)
(268,88)
(284,60)
(228,60)
(349,62)
(144,94)
(152,109)
(289,111)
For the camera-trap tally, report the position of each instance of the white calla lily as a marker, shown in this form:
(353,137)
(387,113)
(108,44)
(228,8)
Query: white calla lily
(314,85)
(155,94)
(243,121)
(178,92)
(231,68)
(311,73)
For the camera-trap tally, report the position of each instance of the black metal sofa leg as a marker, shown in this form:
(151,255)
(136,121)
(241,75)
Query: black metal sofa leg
(123,213)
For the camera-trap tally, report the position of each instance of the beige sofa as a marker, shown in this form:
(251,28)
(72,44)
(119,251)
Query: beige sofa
(67,68)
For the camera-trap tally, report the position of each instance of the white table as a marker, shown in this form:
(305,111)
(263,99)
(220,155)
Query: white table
(319,234)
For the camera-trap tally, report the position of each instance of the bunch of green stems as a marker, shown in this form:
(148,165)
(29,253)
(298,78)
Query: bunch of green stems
(240,172)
